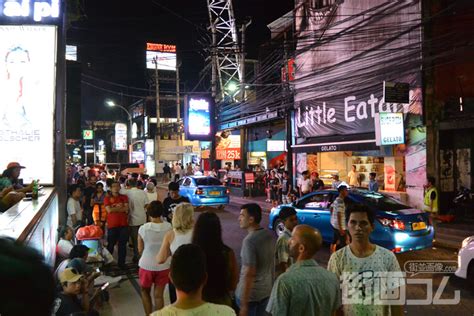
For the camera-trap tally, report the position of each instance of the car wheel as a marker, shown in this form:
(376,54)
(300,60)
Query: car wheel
(279,227)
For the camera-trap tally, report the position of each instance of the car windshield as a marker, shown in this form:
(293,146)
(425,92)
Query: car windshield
(382,202)
(207,181)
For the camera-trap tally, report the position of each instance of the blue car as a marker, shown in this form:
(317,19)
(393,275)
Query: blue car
(398,227)
(204,191)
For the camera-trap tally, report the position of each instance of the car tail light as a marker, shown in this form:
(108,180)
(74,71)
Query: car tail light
(392,223)
(227,191)
(199,191)
(397,249)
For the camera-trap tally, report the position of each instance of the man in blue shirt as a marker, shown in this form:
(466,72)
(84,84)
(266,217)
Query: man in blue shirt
(373,185)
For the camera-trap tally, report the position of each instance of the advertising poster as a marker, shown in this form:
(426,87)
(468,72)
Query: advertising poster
(198,118)
(463,163)
(163,53)
(27,98)
(392,130)
(120,136)
(228,146)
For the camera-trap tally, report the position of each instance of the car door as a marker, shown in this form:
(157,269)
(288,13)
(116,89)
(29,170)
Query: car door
(314,210)
(184,189)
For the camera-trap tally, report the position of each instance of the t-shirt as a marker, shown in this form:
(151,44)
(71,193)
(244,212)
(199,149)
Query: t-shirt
(353,178)
(281,249)
(5,183)
(116,219)
(306,289)
(285,185)
(258,251)
(153,235)
(88,192)
(318,185)
(362,279)
(205,309)
(137,199)
(65,305)
(73,208)
(338,207)
(305,185)
(151,196)
(169,204)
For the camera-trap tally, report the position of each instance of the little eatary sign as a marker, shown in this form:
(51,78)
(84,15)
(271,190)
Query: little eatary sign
(36,10)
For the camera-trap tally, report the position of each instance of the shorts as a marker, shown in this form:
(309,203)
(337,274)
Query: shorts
(338,239)
(148,278)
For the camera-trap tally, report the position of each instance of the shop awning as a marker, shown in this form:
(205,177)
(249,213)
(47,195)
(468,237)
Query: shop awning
(358,142)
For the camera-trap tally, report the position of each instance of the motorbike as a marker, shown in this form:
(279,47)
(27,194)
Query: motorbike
(464,203)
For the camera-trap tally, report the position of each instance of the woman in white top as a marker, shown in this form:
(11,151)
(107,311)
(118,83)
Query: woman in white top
(150,239)
(151,192)
(182,233)
(65,242)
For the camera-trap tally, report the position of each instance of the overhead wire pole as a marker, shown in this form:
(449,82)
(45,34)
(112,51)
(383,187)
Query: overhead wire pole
(178,106)
(158,118)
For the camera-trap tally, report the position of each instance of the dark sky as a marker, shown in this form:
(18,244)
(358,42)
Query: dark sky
(112,34)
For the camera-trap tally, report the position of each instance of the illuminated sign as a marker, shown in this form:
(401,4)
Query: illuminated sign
(120,136)
(150,147)
(87,134)
(228,148)
(198,122)
(390,129)
(162,55)
(38,10)
(27,98)
(71,52)
(276,145)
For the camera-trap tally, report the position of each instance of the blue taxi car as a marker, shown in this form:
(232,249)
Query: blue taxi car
(204,191)
(398,227)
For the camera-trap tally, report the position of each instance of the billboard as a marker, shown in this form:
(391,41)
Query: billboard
(27,99)
(165,55)
(198,117)
(227,146)
(120,136)
(345,51)
(71,52)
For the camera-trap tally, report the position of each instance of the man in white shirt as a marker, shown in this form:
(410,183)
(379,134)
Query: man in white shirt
(137,201)
(188,274)
(177,172)
(305,184)
(74,209)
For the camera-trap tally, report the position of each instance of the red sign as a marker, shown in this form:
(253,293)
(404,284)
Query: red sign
(228,154)
(161,47)
(249,177)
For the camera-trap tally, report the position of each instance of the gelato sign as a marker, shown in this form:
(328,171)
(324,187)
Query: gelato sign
(389,129)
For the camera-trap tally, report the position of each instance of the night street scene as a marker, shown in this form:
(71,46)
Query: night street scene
(236,157)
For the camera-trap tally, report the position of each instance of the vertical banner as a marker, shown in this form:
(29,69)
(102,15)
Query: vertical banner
(120,136)
(27,99)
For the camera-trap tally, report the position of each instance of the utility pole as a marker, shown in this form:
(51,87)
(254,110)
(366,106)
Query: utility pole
(242,62)
(214,61)
(158,125)
(178,105)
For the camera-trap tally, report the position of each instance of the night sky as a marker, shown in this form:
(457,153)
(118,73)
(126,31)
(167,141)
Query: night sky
(111,39)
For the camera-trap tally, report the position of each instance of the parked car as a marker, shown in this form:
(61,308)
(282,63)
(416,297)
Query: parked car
(204,191)
(466,260)
(398,227)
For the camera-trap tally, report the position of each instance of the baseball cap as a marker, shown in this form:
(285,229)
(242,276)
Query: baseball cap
(287,211)
(14,165)
(69,275)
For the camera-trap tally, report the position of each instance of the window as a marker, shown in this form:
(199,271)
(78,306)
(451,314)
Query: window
(180,182)
(187,182)
(322,200)
(382,202)
(207,181)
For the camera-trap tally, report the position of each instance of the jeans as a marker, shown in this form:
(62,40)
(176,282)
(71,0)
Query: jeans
(255,308)
(120,235)
(134,237)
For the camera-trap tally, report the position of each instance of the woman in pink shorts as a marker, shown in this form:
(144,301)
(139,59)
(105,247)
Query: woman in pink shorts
(150,238)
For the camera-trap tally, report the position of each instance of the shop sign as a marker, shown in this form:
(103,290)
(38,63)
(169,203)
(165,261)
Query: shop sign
(390,129)
(396,92)
(38,10)
(228,154)
(327,148)
(87,134)
(120,136)
(249,177)
(150,147)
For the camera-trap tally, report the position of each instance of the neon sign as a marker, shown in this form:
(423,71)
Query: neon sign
(26,8)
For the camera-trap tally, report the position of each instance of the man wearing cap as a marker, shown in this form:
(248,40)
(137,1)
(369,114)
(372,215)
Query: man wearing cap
(10,178)
(282,256)
(73,284)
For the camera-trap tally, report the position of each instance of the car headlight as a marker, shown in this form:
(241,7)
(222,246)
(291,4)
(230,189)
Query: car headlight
(467,241)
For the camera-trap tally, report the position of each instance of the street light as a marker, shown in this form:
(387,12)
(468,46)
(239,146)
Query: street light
(111,103)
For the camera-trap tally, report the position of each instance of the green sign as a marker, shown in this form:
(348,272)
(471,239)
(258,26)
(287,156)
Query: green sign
(87,134)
